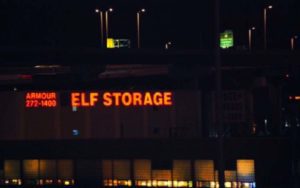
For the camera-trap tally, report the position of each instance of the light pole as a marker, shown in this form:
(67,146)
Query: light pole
(138,14)
(106,21)
(103,40)
(250,37)
(293,38)
(101,26)
(265,24)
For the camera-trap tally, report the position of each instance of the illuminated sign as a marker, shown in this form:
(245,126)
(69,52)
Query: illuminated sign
(110,43)
(105,98)
(226,39)
(40,99)
(108,99)
(117,43)
(297,97)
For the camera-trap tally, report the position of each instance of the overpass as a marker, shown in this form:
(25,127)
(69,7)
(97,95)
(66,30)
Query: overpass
(89,65)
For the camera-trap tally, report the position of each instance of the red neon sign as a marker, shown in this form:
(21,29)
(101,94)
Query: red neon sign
(40,99)
(297,97)
(108,99)
(83,99)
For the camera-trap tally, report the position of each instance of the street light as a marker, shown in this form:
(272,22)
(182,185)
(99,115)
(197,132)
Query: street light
(293,38)
(265,24)
(138,26)
(101,26)
(106,21)
(250,37)
(102,23)
(168,45)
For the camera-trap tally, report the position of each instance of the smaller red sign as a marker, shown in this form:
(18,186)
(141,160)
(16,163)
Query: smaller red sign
(40,99)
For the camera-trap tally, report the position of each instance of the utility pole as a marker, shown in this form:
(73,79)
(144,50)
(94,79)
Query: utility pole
(218,95)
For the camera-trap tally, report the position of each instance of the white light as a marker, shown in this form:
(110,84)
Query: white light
(75,132)
(270,7)
(97,10)
(286,124)
(110,9)
(143,10)
(266,121)
(246,185)
(74,108)
(46,66)
(227,184)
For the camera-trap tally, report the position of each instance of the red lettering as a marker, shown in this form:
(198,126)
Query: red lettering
(157,99)
(93,98)
(83,100)
(75,102)
(137,99)
(117,96)
(148,99)
(126,99)
(167,98)
(107,101)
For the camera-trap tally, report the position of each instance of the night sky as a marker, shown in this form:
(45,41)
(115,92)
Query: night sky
(188,23)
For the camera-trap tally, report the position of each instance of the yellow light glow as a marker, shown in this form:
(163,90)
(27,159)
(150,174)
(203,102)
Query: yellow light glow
(110,43)
(181,184)
(235,184)
(228,184)
(161,183)
(14,180)
(212,184)
(115,182)
(66,182)
(175,183)
(108,182)
(154,183)
(149,183)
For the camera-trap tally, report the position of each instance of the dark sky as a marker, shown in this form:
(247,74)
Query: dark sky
(187,23)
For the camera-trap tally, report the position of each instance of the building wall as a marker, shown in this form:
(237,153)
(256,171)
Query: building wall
(17,122)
